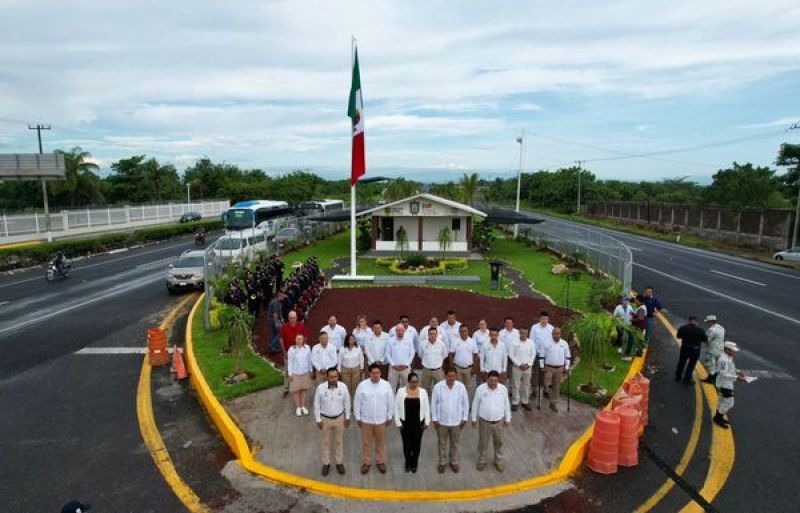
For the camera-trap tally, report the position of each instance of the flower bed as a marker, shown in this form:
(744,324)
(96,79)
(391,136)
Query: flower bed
(414,266)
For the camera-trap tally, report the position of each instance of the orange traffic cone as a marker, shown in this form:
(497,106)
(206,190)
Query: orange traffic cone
(177,364)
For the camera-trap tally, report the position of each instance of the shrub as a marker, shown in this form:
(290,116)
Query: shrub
(416,259)
(420,270)
(385,261)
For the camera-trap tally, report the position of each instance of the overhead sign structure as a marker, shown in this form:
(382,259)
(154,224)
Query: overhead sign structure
(31,166)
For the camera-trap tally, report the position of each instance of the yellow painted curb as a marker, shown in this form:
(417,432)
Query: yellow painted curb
(152,437)
(573,458)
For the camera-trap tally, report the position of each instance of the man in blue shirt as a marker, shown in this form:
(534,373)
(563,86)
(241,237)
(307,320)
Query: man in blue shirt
(653,305)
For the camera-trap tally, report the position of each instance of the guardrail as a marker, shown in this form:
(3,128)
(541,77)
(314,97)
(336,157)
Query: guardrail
(597,250)
(27,227)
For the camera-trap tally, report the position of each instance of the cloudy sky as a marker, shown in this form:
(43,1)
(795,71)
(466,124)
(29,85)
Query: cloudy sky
(448,86)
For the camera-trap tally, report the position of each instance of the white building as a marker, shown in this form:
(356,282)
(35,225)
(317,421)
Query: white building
(422,217)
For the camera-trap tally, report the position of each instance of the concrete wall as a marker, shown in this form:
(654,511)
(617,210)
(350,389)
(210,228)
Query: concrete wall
(752,227)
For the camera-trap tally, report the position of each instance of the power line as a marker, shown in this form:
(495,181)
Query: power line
(653,155)
(618,152)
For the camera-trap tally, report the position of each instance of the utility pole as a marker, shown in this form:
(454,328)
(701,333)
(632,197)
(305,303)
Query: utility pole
(796,126)
(39,129)
(521,141)
(579,163)
(188,196)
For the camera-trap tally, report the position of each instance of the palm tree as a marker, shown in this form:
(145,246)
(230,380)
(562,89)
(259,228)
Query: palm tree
(469,185)
(76,167)
(596,331)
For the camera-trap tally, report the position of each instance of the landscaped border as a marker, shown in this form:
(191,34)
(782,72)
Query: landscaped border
(234,437)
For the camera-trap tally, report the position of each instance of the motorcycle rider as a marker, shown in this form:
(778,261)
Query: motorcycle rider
(200,235)
(59,262)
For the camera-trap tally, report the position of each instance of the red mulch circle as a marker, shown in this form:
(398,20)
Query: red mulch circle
(420,304)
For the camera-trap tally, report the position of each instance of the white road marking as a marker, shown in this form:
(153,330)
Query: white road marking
(769,374)
(635,249)
(117,350)
(115,251)
(4,303)
(112,350)
(51,314)
(738,278)
(719,294)
(76,269)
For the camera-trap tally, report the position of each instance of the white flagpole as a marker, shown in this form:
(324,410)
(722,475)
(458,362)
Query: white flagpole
(353,186)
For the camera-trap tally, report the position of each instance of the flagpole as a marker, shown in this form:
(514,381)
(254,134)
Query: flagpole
(353,185)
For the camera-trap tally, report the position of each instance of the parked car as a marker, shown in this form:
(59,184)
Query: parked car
(187,272)
(191,216)
(287,237)
(241,246)
(272,226)
(791,254)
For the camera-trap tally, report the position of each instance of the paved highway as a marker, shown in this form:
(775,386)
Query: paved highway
(759,306)
(68,423)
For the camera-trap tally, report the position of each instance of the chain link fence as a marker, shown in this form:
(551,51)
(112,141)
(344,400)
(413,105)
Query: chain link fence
(278,240)
(597,250)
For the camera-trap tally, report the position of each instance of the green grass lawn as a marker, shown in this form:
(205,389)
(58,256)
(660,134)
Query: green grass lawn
(611,381)
(535,266)
(326,250)
(216,365)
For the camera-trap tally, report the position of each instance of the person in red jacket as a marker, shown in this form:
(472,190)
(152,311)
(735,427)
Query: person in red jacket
(289,332)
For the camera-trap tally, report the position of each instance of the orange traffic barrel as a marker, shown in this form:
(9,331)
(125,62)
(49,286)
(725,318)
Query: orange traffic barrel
(604,446)
(628,436)
(157,346)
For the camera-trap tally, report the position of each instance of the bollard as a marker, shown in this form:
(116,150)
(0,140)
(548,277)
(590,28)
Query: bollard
(157,347)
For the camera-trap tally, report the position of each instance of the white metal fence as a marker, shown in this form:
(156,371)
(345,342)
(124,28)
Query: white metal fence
(599,251)
(82,221)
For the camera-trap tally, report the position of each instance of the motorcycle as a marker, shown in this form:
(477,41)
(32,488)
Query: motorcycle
(54,272)
(200,239)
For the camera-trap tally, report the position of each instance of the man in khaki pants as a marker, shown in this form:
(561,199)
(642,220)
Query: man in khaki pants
(373,409)
(449,412)
(491,410)
(555,360)
(332,412)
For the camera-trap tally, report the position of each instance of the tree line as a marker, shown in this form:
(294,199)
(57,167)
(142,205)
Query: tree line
(142,179)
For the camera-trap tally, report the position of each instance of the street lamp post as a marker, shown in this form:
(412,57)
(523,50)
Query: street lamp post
(580,172)
(188,197)
(521,141)
(796,126)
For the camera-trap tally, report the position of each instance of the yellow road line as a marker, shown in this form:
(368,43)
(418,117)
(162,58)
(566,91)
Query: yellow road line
(152,437)
(723,448)
(721,454)
(687,456)
(572,460)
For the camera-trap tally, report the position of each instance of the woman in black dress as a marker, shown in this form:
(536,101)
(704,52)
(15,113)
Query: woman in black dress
(412,416)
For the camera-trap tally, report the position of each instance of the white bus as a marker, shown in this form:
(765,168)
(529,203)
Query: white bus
(249,214)
(309,208)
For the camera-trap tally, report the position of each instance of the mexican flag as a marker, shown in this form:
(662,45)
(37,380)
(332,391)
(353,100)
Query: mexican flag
(355,110)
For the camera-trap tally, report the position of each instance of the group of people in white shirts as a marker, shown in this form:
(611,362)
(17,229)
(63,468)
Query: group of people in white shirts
(406,367)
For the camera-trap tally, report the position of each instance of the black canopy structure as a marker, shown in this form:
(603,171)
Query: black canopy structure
(494,215)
